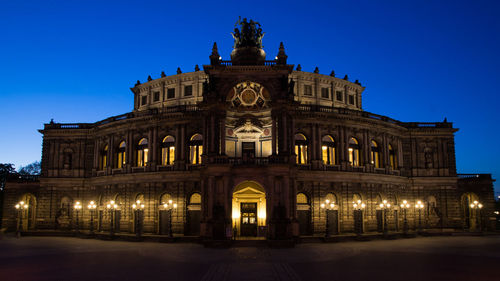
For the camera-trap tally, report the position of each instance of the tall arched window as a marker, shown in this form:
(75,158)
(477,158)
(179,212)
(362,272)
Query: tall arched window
(301,149)
(195,149)
(168,151)
(328,150)
(142,152)
(121,155)
(392,158)
(375,154)
(353,152)
(103,158)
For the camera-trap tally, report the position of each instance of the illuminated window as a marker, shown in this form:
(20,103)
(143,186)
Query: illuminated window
(142,153)
(392,158)
(302,198)
(121,155)
(195,198)
(103,158)
(353,152)
(328,150)
(375,155)
(168,151)
(195,149)
(301,149)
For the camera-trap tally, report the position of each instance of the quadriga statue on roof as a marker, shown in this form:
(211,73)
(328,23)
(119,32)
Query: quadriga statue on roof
(250,35)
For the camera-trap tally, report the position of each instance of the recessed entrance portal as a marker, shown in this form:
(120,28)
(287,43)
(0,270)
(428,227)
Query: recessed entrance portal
(248,219)
(249,210)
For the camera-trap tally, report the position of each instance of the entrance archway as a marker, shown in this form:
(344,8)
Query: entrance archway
(471,216)
(28,215)
(249,210)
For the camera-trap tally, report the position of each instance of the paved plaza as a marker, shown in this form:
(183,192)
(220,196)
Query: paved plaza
(433,258)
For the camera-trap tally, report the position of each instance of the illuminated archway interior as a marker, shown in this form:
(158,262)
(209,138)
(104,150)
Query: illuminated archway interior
(249,209)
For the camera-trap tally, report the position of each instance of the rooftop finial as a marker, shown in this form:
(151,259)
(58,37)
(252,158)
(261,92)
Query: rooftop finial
(346,78)
(149,78)
(281,58)
(163,74)
(215,57)
(299,67)
(196,68)
(316,70)
(332,73)
(179,71)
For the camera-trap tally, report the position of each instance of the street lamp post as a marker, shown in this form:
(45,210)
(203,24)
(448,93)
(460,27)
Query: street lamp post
(328,206)
(92,206)
(358,216)
(405,205)
(138,208)
(419,206)
(78,207)
(385,206)
(20,207)
(111,208)
(169,207)
(477,207)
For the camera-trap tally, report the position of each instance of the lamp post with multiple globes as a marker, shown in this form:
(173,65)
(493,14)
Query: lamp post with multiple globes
(138,212)
(20,207)
(77,207)
(476,206)
(404,206)
(419,206)
(328,206)
(169,207)
(92,207)
(111,206)
(358,207)
(385,206)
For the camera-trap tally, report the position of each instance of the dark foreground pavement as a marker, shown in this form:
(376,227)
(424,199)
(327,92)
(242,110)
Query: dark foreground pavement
(433,258)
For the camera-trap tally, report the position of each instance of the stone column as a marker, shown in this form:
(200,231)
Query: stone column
(111,153)
(274,135)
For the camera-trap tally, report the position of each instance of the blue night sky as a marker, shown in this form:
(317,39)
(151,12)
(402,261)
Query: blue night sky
(75,61)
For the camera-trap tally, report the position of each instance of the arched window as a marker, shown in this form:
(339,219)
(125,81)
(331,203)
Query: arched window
(302,199)
(392,158)
(353,152)
(142,152)
(165,199)
(375,154)
(121,155)
(168,151)
(103,158)
(301,149)
(195,198)
(328,150)
(195,149)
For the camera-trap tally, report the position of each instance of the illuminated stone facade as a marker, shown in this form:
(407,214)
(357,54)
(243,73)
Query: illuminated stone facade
(251,148)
